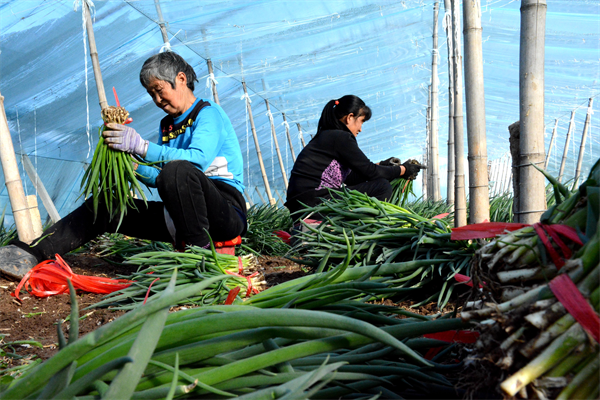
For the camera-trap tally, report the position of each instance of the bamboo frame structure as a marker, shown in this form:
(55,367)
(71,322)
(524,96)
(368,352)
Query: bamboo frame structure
(450,46)
(425,176)
(301,135)
(566,149)
(583,138)
(257,146)
(12,180)
(274,133)
(259,195)
(94,56)
(479,196)
(289,137)
(433,123)
(551,144)
(460,199)
(212,81)
(532,201)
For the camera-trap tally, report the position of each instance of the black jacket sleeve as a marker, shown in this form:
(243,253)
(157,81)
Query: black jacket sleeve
(349,154)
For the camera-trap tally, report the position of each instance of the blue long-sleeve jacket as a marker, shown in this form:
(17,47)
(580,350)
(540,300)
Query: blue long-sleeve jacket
(204,136)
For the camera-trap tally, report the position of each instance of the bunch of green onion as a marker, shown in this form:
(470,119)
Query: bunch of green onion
(111,175)
(263,221)
(383,233)
(542,347)
(194,265)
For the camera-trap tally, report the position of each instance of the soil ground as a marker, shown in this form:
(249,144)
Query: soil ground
(36,318)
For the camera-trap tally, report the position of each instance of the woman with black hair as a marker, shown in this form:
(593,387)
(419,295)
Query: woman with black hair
(333,158)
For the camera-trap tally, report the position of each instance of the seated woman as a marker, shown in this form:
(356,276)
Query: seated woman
(332,158)
(200,183)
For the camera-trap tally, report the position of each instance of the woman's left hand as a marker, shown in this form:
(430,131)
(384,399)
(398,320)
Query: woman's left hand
(126,139)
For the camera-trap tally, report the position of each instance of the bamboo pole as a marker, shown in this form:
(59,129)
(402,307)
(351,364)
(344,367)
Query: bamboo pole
(259,195)
(12,180)
(551,144)
(435,165)
(274,133)
(460,199)
(425,177)
(34,214)
(41,189)
(531,95)
(211,76)
(258,153)
(479,196)
(161,22)
(248,198)
(583,138)
(566,149)
(429,149)
(94,56)
(301,135)
(289,137)
(450,46)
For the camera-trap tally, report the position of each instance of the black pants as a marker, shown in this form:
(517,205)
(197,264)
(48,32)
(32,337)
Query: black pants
(380,188)
(194,202)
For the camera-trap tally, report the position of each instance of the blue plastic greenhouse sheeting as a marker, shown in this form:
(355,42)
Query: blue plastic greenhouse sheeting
(298,55)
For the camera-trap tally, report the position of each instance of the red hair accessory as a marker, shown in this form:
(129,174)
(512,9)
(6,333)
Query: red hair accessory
(337,102)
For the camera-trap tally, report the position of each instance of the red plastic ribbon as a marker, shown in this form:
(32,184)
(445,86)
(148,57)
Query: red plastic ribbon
(571,298)
(49,278)
(283,236)
(251,289)
(116,97)
(149,287)
(232,295)
(450,337)
(484,230)
(440,216)
(554,231)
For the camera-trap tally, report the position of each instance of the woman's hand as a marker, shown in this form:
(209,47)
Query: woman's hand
(126,139)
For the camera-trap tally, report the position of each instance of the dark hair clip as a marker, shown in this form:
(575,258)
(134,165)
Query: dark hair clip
(337,102)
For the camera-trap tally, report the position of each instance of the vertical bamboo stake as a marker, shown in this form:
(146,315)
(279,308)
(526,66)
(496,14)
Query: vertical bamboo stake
(211,76)
(258,153)
(12,180)
(283,173)
(566,149)
(301,135)
(161,22)
(531,95)
(289,137)
(425,177)
(583,137)
(433,129)
(460,199)
(94,56)
(479,196)
(429,149)
(551,144)
(259,195)
(450,46)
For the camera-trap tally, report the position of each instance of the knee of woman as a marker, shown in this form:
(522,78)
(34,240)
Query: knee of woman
(172,171)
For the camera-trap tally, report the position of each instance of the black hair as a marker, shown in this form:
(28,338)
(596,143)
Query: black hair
(165,67)
(333,113)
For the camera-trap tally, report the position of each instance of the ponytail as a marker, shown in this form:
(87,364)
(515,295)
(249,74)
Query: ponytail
(335,110)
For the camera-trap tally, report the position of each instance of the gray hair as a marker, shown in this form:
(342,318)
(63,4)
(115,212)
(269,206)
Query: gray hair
(165,67)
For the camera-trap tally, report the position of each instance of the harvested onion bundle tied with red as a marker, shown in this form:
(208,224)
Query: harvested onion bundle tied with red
(111,176)
(537,301)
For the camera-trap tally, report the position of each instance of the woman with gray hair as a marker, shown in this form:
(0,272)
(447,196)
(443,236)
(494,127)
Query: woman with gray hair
(200,181)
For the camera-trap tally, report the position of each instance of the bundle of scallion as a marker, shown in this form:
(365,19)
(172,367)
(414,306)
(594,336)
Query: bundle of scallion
(194,265)
(235,351)
(111,177)
(119,247)
(536,273)
(383,233)
(263,221)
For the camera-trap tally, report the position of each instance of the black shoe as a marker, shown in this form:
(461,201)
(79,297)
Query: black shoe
(15,262)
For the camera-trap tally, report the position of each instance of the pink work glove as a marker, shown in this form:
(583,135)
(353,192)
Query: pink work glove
(126,139)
